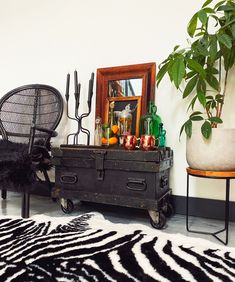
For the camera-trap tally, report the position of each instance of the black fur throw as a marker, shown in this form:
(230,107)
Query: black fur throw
(17,167)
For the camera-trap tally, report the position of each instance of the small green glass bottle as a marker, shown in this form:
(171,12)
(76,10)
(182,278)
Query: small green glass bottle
(162,136)
(150,123)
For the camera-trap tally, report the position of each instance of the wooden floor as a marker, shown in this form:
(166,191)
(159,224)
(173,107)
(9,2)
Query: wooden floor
(176,224)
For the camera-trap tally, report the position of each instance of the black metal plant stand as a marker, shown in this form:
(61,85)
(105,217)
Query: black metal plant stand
(227,175)
(79,118)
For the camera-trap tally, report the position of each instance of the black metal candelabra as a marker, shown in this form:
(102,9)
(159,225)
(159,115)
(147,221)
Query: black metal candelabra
(79,118)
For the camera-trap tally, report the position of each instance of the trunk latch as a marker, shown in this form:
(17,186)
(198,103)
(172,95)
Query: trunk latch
(99,163)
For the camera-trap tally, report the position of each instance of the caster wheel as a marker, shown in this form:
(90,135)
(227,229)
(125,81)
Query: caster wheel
(161,221)
(68,208)
(169,211)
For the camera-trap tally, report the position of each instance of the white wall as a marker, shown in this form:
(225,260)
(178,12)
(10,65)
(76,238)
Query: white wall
(43,40)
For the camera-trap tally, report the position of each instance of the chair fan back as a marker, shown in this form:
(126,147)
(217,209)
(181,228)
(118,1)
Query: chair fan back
(22,107)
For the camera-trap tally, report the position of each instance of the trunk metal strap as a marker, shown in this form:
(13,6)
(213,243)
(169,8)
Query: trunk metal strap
(99,163)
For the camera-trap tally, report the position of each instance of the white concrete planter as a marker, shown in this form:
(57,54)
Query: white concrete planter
(216,153)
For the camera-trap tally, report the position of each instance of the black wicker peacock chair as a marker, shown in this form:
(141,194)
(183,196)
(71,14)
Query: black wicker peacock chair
(29,116)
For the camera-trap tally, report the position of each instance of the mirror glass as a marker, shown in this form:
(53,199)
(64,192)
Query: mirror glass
(125,87)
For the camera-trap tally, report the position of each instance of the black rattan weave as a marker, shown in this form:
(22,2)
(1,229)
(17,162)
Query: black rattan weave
(22,106)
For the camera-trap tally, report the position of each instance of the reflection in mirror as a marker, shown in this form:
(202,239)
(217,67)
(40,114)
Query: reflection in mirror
(125,87)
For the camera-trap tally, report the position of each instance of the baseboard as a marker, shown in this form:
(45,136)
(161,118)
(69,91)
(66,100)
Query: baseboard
(203,207)
(200,207)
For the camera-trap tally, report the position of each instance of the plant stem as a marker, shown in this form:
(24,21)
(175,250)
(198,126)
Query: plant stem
(220,105)
(208,113)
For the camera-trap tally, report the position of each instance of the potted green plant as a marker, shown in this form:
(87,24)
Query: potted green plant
(201,70)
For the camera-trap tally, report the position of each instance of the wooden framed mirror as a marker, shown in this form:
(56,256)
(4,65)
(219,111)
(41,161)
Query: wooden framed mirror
(132,85)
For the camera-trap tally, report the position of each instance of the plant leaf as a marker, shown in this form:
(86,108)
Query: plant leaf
(190,86)
(231,3)
(206,3)
(190,74)
(202,15)
(228,24)
(176,47)
(197,118)
(228,57)
(225,8)
(213,81)
(202,98)
(206,129)
(209,10)
(213,48)
(178,71)
(232,58)
(181,129)
(200,48)
(212,70)
(201,85)
(197,67)
(225,39)
(162,71)
(199,33)
(192,103)
(195,114)
(192,25)
(165,61)
(233,30)
(215,119)
(215,18)
(208,105)
(188,128)
(213,104)
(219,4)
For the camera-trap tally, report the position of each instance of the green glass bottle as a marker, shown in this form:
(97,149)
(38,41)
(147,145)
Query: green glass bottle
(162,136)
(150,123)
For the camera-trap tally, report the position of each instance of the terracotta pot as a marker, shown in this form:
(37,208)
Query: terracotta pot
(216,153)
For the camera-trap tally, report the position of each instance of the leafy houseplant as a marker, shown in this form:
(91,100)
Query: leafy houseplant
(203,67)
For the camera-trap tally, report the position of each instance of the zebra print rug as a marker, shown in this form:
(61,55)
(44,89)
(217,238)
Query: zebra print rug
(89,248)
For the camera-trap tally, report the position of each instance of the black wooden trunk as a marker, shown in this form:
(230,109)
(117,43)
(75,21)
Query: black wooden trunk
(112,176)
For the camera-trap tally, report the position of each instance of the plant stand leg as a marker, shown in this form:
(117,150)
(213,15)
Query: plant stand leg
(25,205)
(226,215)
(4,194)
